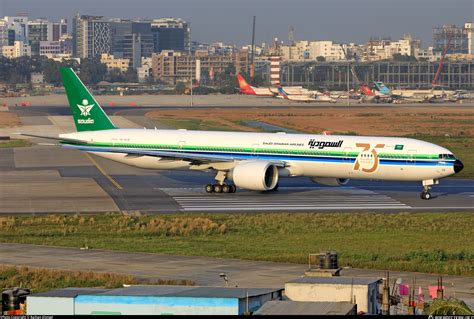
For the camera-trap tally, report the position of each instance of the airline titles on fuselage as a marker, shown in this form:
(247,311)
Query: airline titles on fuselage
(322,144)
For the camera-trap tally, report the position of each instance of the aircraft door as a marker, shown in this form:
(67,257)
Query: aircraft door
(181,145)
(255,146)
(411,157)
(347,154)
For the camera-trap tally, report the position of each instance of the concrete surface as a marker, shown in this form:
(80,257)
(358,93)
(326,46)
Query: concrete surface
(148,191)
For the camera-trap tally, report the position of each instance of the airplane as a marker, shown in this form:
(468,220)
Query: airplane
(304,98)
(380,93)
(245,88)
(427,95)
(249,160)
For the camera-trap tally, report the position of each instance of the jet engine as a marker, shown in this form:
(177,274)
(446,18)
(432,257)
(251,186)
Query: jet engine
(255,175)
(330,181)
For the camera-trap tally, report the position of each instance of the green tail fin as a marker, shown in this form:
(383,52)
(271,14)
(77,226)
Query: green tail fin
(87,113)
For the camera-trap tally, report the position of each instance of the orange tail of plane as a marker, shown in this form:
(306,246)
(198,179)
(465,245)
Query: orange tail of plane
(243,85)
(366,90)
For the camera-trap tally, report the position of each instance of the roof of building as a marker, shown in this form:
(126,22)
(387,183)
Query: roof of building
(336,280)
(162,291)
(190,291)
(288,307)
(70,292)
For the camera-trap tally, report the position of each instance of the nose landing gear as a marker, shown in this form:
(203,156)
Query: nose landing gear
(425,194)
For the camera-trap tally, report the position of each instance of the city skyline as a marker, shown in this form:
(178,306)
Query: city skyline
(347,21)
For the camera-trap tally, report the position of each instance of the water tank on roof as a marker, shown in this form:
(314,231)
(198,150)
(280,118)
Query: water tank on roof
(328,260)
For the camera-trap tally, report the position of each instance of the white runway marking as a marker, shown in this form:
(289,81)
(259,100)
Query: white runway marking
(193,199)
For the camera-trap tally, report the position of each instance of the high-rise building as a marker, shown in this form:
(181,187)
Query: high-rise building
(469,27)
(59,29)
(19,25)
(92,36)
(131,40)
(170,34)
(457,37)
(3,33)
(18,49)
(177,66)
(39,30)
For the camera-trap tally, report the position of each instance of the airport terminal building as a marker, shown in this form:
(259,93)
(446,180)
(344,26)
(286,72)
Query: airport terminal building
(394,74)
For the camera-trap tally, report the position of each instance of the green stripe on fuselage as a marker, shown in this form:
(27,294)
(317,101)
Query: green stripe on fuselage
(258,150)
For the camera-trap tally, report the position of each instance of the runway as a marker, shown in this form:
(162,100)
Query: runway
(50,179)
(47,179)
(287,198)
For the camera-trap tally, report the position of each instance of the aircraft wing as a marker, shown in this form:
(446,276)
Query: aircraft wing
(56,138)
(178,155)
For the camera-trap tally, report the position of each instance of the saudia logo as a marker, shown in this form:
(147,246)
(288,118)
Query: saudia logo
(85,109)
(86,121)
(320,144)
(367,160)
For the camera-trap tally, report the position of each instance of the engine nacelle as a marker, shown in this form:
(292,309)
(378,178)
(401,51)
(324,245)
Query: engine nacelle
(330,181)
(255,175)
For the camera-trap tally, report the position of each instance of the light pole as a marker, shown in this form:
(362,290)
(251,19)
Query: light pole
(191,64)
(348,87)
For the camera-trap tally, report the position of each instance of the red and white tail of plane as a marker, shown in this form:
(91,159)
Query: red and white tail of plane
(245,88)
(365,89)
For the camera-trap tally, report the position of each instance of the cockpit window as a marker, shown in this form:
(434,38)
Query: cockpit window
(446,156)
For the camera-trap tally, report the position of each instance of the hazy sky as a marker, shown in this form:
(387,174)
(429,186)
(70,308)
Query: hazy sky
(231,20)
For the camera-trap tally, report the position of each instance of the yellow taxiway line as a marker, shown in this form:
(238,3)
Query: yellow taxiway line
(103,172)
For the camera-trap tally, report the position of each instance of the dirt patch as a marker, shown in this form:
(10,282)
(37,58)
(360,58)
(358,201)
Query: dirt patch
(395,121)
(8,119)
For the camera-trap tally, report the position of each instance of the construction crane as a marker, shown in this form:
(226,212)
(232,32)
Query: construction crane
(441,61)
(291,40)
(353,69)
(252,66)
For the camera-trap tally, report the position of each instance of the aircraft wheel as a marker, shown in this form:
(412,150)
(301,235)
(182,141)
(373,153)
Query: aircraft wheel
(233,188)
(209,188)
(226,189)
(425,195)
(217,188)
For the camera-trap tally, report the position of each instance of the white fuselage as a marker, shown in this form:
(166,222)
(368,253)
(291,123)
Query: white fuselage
(355,157)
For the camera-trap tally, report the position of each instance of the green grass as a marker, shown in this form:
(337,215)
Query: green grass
(424,242)
(15,143)
(194,124)
(40,279)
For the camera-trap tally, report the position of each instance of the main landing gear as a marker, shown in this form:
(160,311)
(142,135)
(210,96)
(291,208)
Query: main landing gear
(425,194)
(220,186)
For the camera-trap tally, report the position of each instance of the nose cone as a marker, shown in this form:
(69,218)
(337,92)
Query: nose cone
(458,166)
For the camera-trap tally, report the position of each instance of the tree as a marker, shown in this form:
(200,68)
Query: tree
(403,57)
(180,87)
(92,71)
(115,75)
(226,80)
(449,307)
(320,58)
